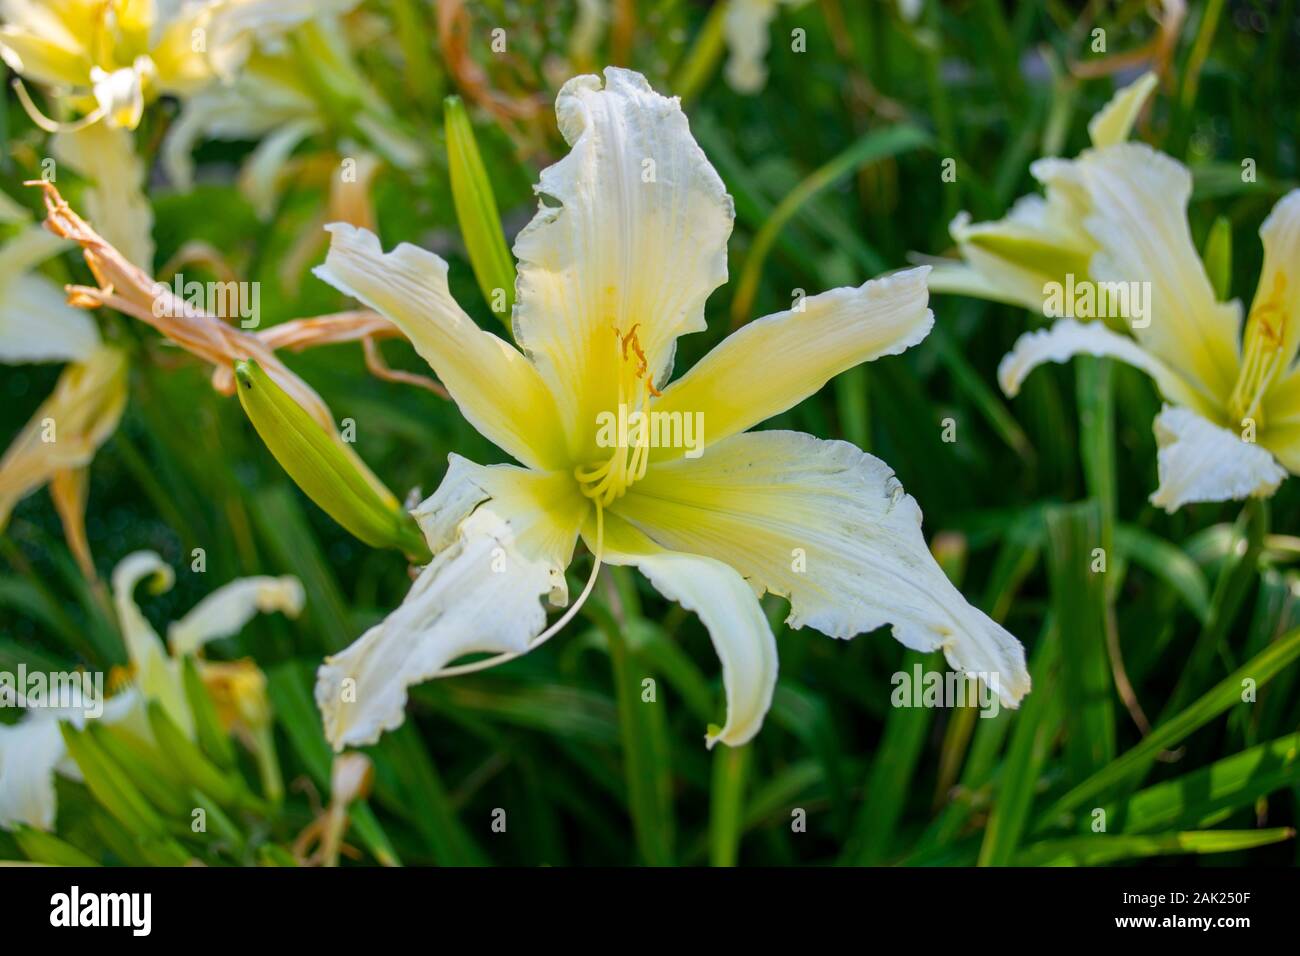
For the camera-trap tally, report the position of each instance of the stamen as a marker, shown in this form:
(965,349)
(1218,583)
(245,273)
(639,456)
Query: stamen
(606,482)
(1261,354)
(555,628)
(51,125)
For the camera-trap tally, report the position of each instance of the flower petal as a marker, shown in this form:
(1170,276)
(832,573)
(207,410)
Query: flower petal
(155,675)
(1115,120)
(513,536)
(1037,242)
(1200,461)
(730,611)
(68,427)
(30,750)
(497,389)
(36,322)
(776,362)
(1138,216)
(1069,337)
(829,527)
(632,231)
(227,609)
(1279,276)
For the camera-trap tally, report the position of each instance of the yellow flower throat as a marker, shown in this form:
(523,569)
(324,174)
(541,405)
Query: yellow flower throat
(1261,355)
(607,481)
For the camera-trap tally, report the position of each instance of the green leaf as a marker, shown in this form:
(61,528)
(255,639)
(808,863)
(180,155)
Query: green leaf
(727,802)
(1133,764)
(476,210)
(1206,796)
(192,764)
(207,726)
(110,786)
(642,730)
(1079,610)
(1169,563)
(889,781)
(1218,257)
(1102,848)
(1033,729)
(41,847)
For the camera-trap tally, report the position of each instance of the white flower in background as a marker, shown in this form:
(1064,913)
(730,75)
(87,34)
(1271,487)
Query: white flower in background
(1234,394)
(1118,214)
(746,24)
(32,751)
(108,58)
(613,268)
(37,325)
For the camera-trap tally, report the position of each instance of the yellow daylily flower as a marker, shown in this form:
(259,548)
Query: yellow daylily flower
(111,57)
(628,242)
(32,751)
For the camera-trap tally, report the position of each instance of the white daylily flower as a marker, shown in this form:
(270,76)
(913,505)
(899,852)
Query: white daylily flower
(1118,215)
(745,24)
(1237,388)
(612,269)
(157,674)
(32,751)
(37,325)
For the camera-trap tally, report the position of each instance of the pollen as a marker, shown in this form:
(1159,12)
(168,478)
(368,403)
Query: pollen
(1261,354)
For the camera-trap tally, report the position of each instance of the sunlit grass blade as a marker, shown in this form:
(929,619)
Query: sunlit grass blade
(207,727)
(1204,797)
(1130,766)
(476,210)
(41,847)
(1102,848)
